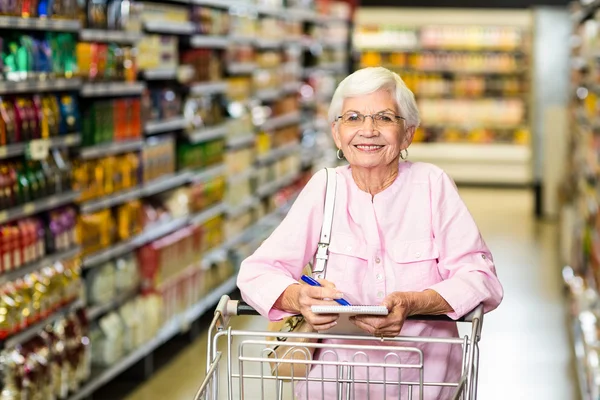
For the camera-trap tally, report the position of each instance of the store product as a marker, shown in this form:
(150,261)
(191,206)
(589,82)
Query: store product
(158,157)
(161,104)
(104,176)
(37,295)
(211,21)
(205,194)
(158,52)
(111,121)
(106,62)
(27,57)
(51,364)
(200,155)
(25,118)
(506,112)
(203,111)
(95,231)
(206,64)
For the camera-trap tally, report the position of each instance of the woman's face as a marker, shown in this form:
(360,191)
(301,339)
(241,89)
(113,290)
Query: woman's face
(372,144)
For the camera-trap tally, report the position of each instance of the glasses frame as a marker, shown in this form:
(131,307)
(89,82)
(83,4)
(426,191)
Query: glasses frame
(339,117)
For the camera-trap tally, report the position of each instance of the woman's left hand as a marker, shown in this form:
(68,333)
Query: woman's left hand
(398,306)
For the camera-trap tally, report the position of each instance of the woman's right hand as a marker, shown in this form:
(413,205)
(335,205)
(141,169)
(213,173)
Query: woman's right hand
(300,298)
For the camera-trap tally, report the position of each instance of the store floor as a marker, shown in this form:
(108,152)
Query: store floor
(525,350)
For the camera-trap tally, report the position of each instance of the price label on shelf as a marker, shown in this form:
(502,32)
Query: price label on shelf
(38,149)
(3,216)
(29,208)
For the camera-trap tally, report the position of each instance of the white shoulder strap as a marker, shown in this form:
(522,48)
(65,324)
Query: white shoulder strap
(320,265)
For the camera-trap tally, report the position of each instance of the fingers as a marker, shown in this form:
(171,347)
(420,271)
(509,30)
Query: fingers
(322,322)
(326,283)
(321,292)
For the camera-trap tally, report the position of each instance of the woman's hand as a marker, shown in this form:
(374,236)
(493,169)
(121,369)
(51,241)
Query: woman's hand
(300,298)
(398,305)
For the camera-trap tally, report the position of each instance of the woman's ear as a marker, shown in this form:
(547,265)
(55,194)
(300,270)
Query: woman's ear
(409,135)
(335,134)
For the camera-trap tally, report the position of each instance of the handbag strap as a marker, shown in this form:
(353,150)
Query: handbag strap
(320,265)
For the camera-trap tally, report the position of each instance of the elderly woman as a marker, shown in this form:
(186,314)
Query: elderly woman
(401,237)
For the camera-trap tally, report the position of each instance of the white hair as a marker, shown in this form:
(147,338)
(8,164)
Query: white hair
(369,80)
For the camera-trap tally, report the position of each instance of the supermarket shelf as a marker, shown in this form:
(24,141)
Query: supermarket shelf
(276,12)
(281,121)
(109,149)
(330,67)
(39,24)
(241,68)
(472,125)
(579,347)
(208,133)
(36,328)
(213,42)
(463,71)
(54,85)
(241,141)
(278,153)
(106,36)
(208,173)
(160,74)
(478,163)
(13,275)
(37,206)
(218,3)
(18,149)
(246,205)
(272,187)
(241,176)
(170,329)
(150,234)
(167,125)
(112,89)
(208,87)
(267,44)
(208,214)
(93,312)
(170,28)
(112,200)
(165,183)
(270,94)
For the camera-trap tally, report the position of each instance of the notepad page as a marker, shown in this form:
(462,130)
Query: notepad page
(354,310)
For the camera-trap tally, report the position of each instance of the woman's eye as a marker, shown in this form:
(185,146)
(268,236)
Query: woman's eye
(384,118)
(353,117)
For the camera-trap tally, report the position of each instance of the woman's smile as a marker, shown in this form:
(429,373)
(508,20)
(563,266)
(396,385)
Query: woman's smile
(369,148)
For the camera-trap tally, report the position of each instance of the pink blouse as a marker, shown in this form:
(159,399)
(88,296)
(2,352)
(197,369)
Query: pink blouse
(417,234)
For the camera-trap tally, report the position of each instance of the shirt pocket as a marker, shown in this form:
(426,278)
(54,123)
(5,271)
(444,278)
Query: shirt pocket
(416,264)
(347,260)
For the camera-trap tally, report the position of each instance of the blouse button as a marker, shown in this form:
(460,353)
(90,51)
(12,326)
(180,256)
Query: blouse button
(348,247)
(380,294)
(483,256)
(377,260)
(418,255)
(379,277)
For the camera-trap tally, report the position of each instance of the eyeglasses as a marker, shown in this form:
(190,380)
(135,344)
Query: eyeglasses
(383,118)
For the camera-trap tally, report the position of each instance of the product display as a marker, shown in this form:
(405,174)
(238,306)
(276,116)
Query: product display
(23,182)
(112,121)
(52,364)
(26,118)
(43,56)
(36,296)
(106,62)
(150,239)
(472,87)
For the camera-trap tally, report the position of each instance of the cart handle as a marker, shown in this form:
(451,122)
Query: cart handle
(228,308)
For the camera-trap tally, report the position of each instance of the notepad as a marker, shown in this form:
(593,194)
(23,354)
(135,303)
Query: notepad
(352,310)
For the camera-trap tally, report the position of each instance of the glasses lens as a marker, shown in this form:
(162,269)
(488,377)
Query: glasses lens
(385,119)
(353,118)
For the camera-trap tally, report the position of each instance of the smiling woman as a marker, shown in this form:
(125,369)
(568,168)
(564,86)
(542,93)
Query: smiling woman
(401,237)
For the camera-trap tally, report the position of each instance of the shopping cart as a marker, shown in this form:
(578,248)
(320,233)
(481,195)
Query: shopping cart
(249,356)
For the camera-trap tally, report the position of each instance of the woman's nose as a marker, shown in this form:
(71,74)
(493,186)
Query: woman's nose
(369,128)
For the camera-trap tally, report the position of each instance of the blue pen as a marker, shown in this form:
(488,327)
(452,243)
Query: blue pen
(312,282)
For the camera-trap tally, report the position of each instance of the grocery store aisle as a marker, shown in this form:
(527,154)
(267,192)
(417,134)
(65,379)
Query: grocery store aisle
(525,350)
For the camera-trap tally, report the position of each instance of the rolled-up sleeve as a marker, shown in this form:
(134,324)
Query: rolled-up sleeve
(279,261)
(465,263)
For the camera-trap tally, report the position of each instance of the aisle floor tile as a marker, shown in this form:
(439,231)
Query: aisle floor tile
(525,351)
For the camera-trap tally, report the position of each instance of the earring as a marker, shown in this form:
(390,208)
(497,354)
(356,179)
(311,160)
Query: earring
(340,154)
(403,156)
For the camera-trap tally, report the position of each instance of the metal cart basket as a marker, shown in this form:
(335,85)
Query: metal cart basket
(249,356)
